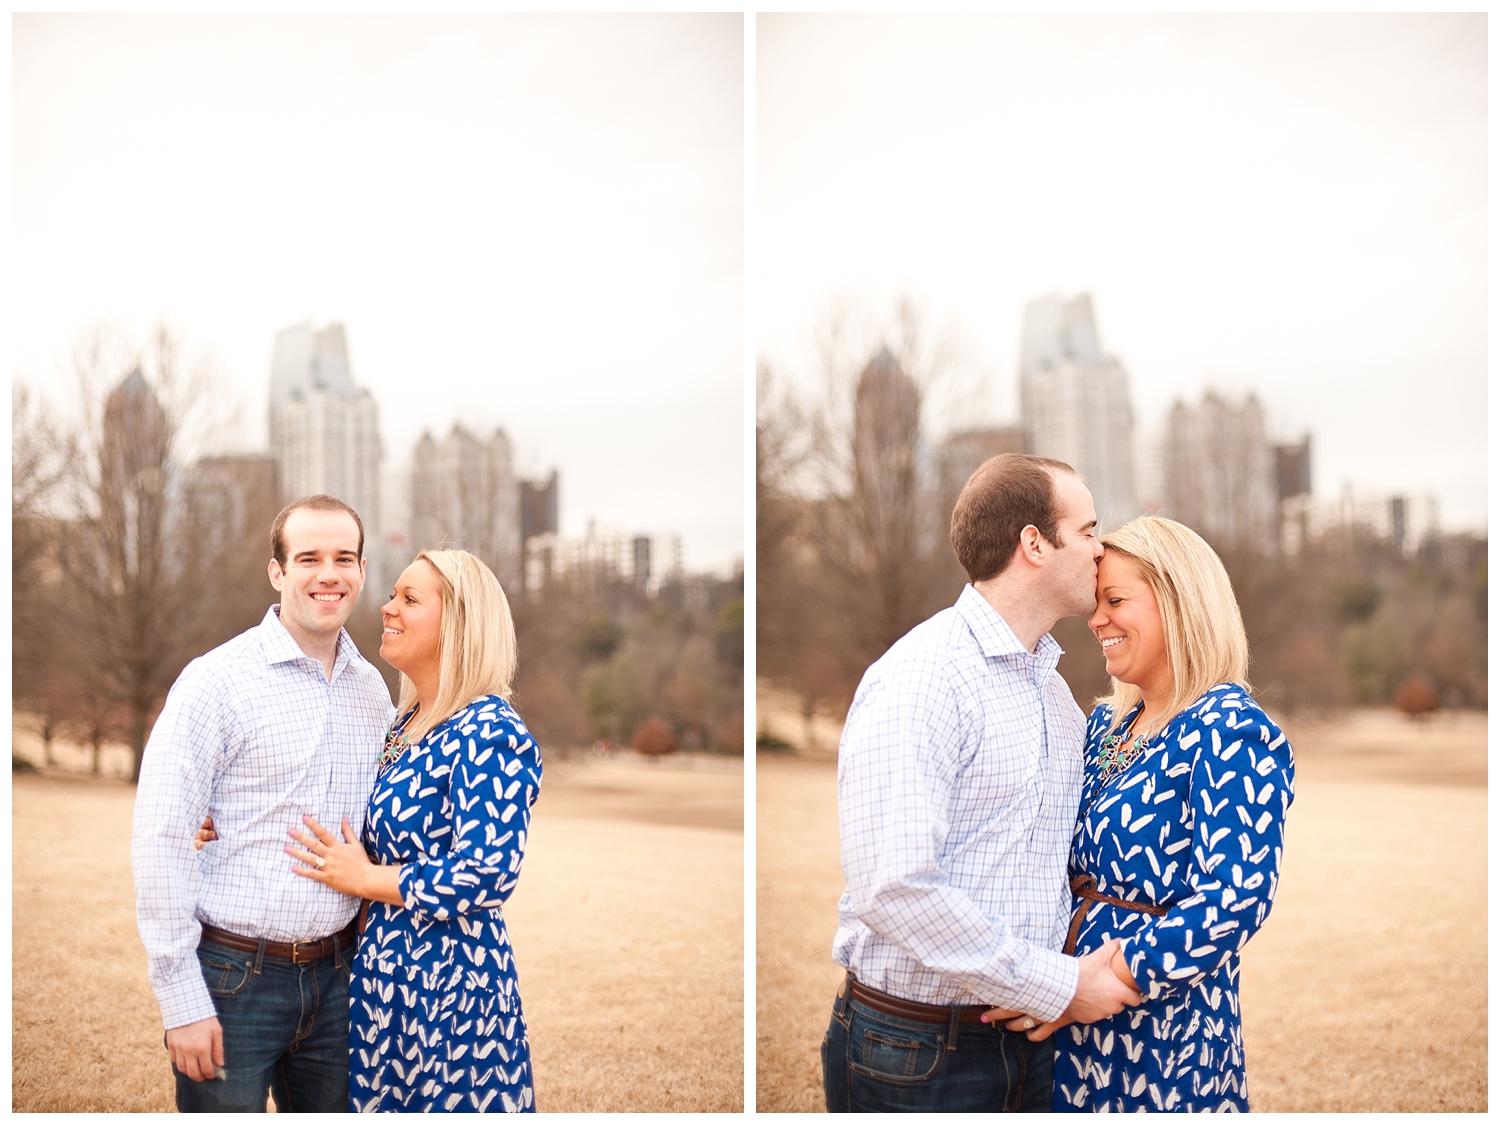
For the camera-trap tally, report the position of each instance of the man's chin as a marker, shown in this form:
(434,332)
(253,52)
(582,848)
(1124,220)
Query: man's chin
(332,616)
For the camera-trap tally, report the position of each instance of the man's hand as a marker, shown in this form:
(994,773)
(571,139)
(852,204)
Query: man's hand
(196,1048)
(1100,992)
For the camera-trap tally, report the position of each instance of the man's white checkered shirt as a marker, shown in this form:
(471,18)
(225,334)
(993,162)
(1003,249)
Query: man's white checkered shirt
(960,770)
(256,735)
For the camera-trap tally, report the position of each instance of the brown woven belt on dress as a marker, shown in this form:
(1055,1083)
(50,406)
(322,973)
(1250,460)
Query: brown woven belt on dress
(911,1010)
(1085,887)
(297,952)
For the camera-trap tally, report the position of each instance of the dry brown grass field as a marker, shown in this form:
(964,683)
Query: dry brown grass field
(628,927)
(1366,990)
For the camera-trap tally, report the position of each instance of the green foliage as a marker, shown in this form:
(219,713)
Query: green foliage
(729,634)
(598,657)
(612,696)
(765,740)
(1357,598)
(1372,656)
(598,638)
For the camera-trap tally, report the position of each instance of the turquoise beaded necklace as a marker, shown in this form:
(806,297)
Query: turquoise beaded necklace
(396,742)
(1116,754)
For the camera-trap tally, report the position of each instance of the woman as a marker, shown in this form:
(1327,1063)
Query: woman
(1179,838)
(435,1017)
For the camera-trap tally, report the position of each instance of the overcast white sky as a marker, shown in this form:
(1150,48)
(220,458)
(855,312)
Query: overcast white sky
(1290,204)
(530,222)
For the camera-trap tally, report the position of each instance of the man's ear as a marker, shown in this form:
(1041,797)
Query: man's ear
(274,571)
(1030,545)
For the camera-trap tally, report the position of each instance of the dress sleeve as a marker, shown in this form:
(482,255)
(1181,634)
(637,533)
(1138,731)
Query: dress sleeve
(1241,788)
(171,799)
(495,778)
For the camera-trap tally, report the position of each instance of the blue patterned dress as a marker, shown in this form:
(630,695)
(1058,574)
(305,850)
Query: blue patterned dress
(435,1016)
(1194,823)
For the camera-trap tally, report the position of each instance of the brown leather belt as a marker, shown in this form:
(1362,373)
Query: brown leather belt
(912,1010)
(297,952)
(1086,888)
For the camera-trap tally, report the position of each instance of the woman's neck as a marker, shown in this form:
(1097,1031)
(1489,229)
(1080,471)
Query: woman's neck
(1152,709)
(426,681)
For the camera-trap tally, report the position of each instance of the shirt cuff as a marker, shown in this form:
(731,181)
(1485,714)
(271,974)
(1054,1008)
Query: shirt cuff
(185,999)
(1051,985)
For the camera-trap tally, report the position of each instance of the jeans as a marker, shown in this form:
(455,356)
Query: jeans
(874,1063)
(286,1030)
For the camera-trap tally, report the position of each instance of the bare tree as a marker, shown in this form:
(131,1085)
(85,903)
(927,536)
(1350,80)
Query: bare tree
(852,543)
(40,455)
(144,578)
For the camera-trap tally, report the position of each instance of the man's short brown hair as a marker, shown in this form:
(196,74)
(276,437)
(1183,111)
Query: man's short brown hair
(1005,495)
(319,503)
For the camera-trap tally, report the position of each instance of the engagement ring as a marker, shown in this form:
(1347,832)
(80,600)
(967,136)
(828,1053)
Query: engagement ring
(319,860)
(1028,1023)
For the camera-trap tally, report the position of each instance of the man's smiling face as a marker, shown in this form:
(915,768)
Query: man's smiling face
(323,574)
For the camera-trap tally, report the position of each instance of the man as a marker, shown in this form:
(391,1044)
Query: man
(249,962)
(960,770)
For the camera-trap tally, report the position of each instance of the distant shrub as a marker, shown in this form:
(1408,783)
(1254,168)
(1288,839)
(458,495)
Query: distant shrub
(19,764)
(654,737)
(1416,697)
(765,740)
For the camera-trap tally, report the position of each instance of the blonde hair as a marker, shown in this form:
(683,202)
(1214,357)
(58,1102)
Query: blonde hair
(476,640)
(1200,618)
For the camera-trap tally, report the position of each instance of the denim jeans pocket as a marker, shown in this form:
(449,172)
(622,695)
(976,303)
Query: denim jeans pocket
(890,1054)
(226,973)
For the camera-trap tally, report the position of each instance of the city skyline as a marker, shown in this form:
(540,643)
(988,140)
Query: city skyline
(526,222)
(1293,205)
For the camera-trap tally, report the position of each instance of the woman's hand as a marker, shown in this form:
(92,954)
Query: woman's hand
(995,1015)
(1035,1031)
(206,834)
(340,864)
(1121,969)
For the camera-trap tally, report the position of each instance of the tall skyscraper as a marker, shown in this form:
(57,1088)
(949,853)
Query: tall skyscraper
(464,493)
(134,482)
(325,432)
(1075,402)
(886,417)
(1220,472)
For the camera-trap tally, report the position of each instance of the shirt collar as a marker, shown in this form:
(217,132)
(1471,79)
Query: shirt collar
(281,648)
(994,634)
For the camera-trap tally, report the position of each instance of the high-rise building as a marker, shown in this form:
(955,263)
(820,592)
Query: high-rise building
(1221,472)
(539,507)
(325,432)
(1075,402)
(464,494)
(605,554)
(134,479)
(886,418)
(1407,522)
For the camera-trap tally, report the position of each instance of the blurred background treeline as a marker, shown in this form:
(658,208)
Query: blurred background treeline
(1358,601)
(136,548)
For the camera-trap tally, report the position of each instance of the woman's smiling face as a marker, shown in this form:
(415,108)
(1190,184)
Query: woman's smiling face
(413,621)
(1127,622)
